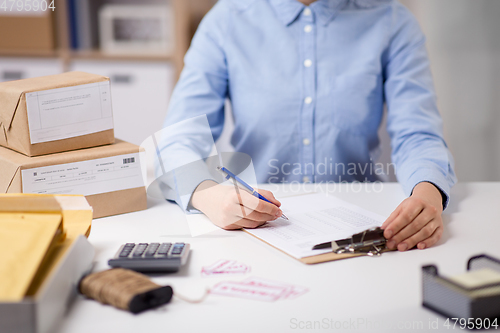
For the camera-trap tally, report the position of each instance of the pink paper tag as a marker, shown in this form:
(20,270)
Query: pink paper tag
(259,289)
(225,267)
(237,289)
(290,292)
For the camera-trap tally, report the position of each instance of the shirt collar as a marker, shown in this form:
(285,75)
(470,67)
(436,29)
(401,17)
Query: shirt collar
(325,10)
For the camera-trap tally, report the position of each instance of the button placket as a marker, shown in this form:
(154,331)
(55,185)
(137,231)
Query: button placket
(309,83)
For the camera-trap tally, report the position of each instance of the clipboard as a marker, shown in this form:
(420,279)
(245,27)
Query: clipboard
(359,244)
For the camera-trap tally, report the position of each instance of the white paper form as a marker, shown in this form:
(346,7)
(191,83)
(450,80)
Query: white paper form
(90,177)
(314,219)
(63,113)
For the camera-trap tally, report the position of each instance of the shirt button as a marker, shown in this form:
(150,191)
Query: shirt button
(308,63)
(307,12)
(305,179)
(308,100)
(308,28)
(306,142)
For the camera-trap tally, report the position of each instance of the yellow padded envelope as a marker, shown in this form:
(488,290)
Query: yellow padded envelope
(74,216)
(77,219)
(25,239)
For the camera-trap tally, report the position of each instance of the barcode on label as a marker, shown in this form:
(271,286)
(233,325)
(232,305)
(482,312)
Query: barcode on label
(129,160)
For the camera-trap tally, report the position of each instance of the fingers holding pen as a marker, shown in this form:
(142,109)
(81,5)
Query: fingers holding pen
(269,196)
(231,207)
(254,208)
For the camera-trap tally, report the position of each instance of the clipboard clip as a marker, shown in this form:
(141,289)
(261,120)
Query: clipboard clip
(370,242)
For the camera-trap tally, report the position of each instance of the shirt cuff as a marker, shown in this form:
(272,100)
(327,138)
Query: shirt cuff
(428,175)
(179,184)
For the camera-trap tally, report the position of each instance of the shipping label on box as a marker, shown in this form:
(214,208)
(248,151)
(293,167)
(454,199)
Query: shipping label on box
(110,176)
(56,113)
(91,177)
(63,113)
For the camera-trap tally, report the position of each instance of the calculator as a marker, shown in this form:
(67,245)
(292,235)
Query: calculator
(151,257)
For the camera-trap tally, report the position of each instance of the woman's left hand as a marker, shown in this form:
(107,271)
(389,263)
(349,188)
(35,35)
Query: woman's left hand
(417,220)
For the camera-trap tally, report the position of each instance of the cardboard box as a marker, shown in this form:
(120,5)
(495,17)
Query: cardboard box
(27,32)
(109,176)
(56,113)
(41,312)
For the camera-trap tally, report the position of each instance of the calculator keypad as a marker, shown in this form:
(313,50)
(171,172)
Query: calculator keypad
(151,250)
(126,250)
(151,257)
(139,250)
(163,250)
(178,247)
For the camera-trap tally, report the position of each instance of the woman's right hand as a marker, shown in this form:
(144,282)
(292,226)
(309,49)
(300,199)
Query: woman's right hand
(232,209)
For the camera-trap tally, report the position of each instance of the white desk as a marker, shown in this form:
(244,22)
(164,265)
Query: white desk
(384,291)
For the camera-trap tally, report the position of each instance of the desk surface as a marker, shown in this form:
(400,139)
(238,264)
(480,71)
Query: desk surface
(362,294)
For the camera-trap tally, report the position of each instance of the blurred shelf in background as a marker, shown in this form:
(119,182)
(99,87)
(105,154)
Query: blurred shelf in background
(99,55)
(29,53)
(72,30)
(45,42)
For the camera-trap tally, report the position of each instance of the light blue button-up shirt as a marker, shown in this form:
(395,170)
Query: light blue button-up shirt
(307,85)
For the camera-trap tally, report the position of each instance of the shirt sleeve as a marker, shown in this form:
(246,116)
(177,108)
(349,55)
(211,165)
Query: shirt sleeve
(201,91)
(419,151)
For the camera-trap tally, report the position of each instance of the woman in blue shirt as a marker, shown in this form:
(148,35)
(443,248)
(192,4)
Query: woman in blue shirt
(307,81)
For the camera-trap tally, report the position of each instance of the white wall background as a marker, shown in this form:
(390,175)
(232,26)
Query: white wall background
(463,40)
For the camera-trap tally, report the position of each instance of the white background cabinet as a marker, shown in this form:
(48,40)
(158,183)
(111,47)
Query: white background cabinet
(23,68)
(140,92)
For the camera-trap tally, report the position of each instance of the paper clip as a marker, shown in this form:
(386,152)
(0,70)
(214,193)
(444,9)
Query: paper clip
(371,242)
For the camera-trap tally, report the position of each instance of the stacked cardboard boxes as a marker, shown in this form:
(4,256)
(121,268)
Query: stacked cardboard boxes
(57,137)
